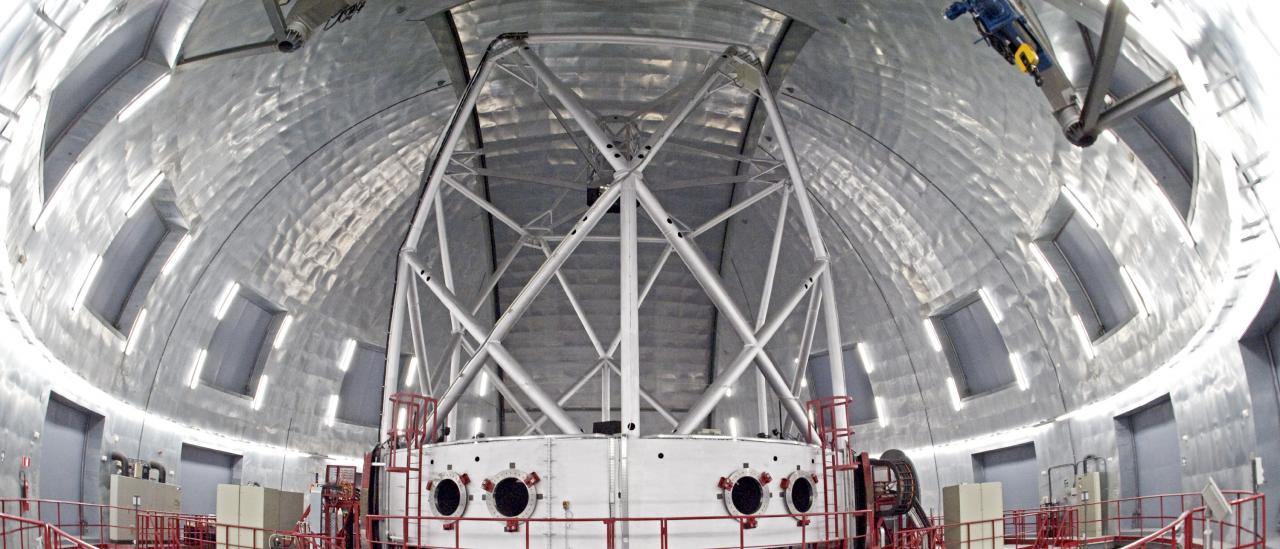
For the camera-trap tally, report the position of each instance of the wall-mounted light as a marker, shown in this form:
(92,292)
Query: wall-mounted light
(260,395)
(956,402)
(224,301)
(1038,254)
(197,366)
(134,331)
(880,413)
(1019,371)
(864,356)
(282,332)
(144,196)
(733,427)
(931,332)
(1078,206)
(331,413)
(178,251)
(412,376)
(90,273)
(348,354)
(1083,333)
(143,98)
(728,391)
(477,425)
(985,295)
(482,388)
(1131,285)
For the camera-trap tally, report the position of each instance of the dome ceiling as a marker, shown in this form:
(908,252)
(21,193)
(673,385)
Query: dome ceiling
(933,166)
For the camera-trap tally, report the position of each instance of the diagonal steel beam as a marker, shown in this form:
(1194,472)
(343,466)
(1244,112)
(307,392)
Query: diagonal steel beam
(568,394)
(766,295)
(715,289)
(573,302)
(669,125)
(502,389)
(579,112)
(648,397)
(1113,29)
(487,206)
(489,346)
(831,314)
(754,347)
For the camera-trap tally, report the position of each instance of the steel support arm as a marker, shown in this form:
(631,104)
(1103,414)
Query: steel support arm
(712,396)
(506,392)
(831,315)
(564,397)
(657,406)
(1104,67)
(491,346)
(719,295)
(1133,105)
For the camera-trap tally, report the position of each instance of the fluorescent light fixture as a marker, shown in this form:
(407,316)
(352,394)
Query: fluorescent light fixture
(482,388)
(332,412)
(985,295)
(932,333)
(224,302)
(880,415)
(956,403)
(348,354)
(476,425)
(804,381)
(197,366)
(282,332)
(412,376)
(178,251)
(864,355)
(1038,254)
(1180,225)
(144,196)
(1085,340)
(1019,371)
(1079,206)
(1131,285)
(90,273)
(143,98)
(733,427)
(134,330)
(728,391)
(260,395)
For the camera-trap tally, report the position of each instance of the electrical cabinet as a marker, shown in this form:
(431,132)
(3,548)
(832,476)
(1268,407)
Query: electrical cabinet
(974,516)
(247,515)
(1088,492)
(152,496)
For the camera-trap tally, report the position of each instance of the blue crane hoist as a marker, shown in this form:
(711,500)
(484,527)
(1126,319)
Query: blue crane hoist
(1005,29)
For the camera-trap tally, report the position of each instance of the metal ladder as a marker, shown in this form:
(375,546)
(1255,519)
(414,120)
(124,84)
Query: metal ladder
(412,428)
(837,464)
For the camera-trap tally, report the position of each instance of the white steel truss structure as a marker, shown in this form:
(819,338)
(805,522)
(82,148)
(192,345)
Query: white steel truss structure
(476,345)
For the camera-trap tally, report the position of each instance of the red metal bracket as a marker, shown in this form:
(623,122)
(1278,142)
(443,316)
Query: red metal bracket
(511,526)
(765,477)
(487,485)
(532,478)
(465,479)
(725,484)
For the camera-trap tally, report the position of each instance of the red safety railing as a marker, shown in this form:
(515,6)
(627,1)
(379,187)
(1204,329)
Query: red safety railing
(25,533)
(92,522)
(158,530)
(1140,521)
(666,530)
